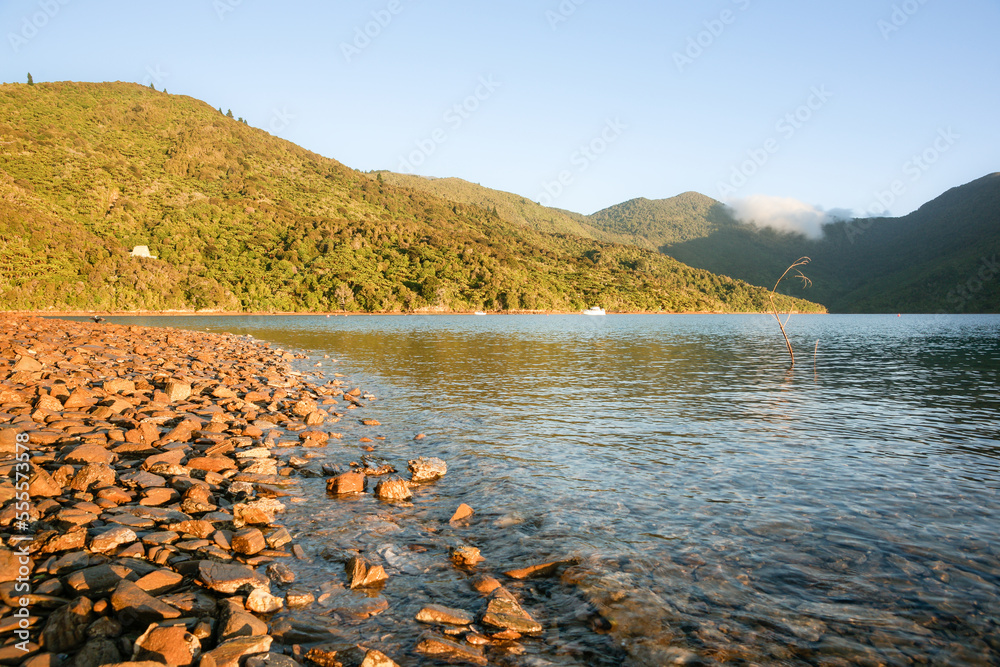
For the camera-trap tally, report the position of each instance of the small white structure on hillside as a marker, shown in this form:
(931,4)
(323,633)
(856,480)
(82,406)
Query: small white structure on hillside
(142,251)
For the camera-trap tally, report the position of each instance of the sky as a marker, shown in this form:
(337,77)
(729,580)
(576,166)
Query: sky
(794,111)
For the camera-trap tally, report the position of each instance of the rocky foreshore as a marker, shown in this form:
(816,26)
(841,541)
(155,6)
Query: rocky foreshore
(144,472)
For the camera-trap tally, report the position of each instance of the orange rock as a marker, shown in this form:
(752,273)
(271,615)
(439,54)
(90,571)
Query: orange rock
(463,512)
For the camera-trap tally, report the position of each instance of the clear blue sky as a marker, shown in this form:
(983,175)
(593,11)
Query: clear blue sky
(869,85)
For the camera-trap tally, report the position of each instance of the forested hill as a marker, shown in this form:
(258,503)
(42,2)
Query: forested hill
(241,220)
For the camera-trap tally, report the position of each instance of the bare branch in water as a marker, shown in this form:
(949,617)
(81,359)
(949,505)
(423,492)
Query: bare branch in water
(801,261)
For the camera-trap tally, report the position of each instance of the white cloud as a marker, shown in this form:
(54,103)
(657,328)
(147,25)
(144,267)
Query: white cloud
(785,214)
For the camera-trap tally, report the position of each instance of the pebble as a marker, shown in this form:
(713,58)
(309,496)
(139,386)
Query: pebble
(439,614)
(466,556)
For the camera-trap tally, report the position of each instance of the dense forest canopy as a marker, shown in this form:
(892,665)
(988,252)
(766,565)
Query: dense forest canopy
(241,220)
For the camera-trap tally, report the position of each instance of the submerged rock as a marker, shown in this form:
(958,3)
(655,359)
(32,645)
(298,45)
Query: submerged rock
(440,648)
(435,613)
(363,574)
(504,613)
(466,556)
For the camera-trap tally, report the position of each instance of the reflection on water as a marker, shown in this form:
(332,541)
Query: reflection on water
(721,508)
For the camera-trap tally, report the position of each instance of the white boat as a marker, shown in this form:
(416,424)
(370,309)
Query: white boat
(479,312)
(594,310)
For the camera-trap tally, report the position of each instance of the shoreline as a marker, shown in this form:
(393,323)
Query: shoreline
(338,313)
(145,471)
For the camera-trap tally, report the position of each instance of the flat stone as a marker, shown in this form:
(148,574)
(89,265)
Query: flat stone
(230,653)
(156,496)
(504,612)
(359,607)
(105,627)
(159,582)
(440,648)
(141,479)
(229,577)
(26,363)
(196,527)
(375,658)
(135,605)
(347,483)
(241,624)
(93,474)
(254,453)
(280,573)
(539,570)
(463,512)
(97,580)
(98,651)
(66,627)
(10,565)
(393,490)
(176,390)
(259,512)
(89,453)
(363,574)
(484,584)
(41,484)
(171,645)
(192,603)
(435,613)
(299,599)
(71,540)
(119,386)
(248,541)
(75,517)
(466,556)
(425,470)
(112,538)
(261,602)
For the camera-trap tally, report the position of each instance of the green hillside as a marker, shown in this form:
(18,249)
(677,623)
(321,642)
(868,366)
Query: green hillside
(241,220)
(663,222)
(509,207)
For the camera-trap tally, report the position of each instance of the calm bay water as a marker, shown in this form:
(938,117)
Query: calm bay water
(722,508)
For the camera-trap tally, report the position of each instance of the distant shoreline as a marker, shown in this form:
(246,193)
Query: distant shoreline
(335,313)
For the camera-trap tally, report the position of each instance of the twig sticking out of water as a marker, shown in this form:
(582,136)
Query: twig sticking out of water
(801,261)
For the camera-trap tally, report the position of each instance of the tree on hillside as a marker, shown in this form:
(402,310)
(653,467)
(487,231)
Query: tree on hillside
(343,293)
(31,81)
(229,113)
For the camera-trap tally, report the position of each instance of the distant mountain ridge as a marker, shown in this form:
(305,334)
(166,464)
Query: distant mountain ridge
(940,258)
